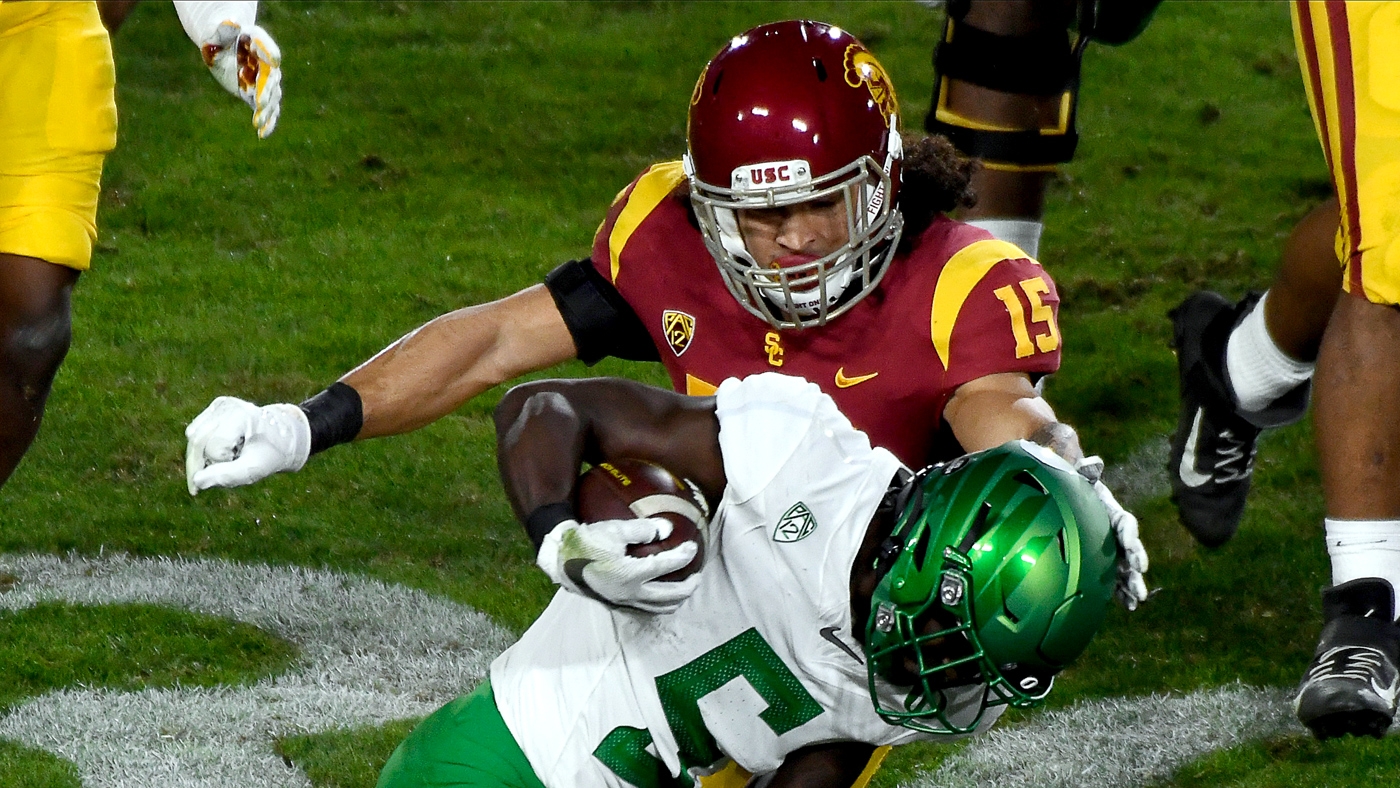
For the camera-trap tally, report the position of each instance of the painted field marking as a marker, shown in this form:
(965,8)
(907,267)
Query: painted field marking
(1117,742)
(374,652)
(371,652)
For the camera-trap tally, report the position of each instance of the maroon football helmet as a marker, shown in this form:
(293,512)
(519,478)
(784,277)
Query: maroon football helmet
(785,113)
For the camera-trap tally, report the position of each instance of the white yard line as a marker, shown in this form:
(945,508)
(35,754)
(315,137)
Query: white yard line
(1117,742)
(371,652)
(374,652)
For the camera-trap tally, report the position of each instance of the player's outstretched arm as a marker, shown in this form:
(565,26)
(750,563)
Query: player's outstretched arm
(241,56)
(418,379)
(992,410)
(434,369)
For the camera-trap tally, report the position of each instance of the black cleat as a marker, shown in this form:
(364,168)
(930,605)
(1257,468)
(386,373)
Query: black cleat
(1212,453)
(1351,686)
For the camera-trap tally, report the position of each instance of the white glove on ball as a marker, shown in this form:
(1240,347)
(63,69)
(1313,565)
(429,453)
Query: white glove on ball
(591,559)
(1131,589)
(233,443)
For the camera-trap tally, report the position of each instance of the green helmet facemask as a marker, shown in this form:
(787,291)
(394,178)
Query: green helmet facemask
(1000,568)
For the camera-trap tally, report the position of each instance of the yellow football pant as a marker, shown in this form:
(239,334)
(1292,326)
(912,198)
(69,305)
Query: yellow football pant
(58,118)
(1350,55)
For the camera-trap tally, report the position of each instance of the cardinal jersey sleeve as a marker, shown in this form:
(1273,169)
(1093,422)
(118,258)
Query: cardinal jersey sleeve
(602,320)
(994,310)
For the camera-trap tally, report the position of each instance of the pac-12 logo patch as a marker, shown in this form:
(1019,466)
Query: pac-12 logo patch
(679,329)
(796,523)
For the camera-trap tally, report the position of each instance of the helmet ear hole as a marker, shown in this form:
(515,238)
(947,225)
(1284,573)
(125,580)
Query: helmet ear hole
(821,69)
(714,89)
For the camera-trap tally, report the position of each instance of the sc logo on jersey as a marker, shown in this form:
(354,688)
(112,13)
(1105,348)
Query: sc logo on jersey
(679,329)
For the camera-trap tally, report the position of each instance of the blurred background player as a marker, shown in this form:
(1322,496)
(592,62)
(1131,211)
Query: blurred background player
(58,120)
(875,627)
(1244,367)
(1006,91)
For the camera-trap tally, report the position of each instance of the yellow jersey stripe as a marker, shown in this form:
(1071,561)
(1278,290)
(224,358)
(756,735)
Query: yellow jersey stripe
(696,387)
(962,273)
(651,189)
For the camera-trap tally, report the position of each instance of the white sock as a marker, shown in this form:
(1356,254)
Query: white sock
(1364,548)
(1025,233)
(1259,371)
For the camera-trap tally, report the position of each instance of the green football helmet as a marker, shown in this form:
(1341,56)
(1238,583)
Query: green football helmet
(998,573)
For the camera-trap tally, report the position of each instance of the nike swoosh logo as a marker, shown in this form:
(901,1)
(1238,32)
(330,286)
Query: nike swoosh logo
(843,382)
(829,635)
(1189,475)
(574,567)
(1387,694)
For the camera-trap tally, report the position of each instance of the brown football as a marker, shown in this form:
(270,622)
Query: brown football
(626,489)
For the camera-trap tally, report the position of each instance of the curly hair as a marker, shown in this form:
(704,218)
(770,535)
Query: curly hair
(937,179)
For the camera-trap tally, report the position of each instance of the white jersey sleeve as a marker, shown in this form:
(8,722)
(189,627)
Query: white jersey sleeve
(765,418)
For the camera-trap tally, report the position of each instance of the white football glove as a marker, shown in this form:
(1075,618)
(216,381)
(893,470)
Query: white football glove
(1131,589)
(241,56)
(233,443)
(591,559)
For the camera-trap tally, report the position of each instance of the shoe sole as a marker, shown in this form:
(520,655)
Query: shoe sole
(1349,723)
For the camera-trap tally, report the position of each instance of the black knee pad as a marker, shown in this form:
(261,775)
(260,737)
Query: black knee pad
(1045,62)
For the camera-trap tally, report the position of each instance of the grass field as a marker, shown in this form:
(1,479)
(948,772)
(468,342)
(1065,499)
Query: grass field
(436,155)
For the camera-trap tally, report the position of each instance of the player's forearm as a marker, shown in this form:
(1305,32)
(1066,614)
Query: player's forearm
(423,376)
(545,429)
(539,446)
(990,411)
(453,358)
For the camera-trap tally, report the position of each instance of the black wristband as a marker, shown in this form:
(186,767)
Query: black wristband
(336,416)
(541,521)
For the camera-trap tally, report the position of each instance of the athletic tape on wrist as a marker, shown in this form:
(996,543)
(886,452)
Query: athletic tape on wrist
(336,416)
(543,520)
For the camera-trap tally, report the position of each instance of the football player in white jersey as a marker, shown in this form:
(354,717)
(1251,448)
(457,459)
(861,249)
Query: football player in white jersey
(903,605)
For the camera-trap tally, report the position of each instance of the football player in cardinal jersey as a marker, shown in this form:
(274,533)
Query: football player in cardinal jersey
(797,234)
(905,605)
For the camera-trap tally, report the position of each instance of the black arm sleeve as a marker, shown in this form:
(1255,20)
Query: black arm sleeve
(600,320)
